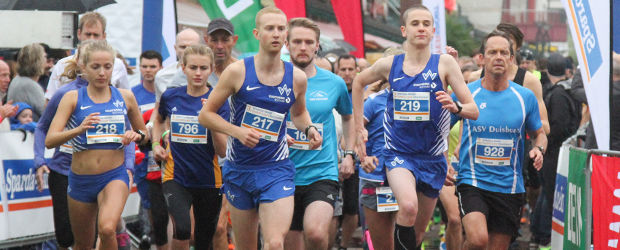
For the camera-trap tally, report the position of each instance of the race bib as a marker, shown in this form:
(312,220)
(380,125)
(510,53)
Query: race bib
(411,106)
(146,107)
(266,122)
(66,148)
(386,202)
(110,129)
(301,141)
(494,152)
(186,129)
(152,164)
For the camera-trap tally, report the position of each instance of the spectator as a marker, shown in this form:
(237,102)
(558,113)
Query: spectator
(49,63)
(5,79)
(6,110)
(24,88)
(559,105)
(23,118)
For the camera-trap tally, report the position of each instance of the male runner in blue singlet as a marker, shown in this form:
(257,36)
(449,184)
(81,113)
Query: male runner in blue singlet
(490,182)
(416,122)
(262,90)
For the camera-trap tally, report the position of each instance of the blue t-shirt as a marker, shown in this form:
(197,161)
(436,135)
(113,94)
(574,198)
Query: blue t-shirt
(145,99)
(263,108)
(415,122)
(491,149)
(194,163)
(374,109)
(325,92)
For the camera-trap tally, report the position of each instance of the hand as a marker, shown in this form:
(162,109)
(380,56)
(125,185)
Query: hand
(204,101)
(159,153)
(43,169)
(131,136)
(315,138)
(450,177)
(453,52)
(369,164)
(537,156)
(346,167)
(446,101)
(360,142)
(8,109)
(249,137)
(89,120)
(289,140)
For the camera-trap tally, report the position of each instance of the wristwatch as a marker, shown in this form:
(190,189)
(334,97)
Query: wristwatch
(308,128)
(541,148)
(349,152)
(458,107)
(142,135)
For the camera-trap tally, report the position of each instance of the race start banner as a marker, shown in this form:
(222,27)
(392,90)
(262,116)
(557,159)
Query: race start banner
(569,219)
(606,201)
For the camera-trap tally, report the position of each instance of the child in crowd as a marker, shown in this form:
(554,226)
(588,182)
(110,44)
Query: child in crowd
(23,118)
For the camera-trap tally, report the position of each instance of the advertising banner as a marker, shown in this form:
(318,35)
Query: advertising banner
(606,201)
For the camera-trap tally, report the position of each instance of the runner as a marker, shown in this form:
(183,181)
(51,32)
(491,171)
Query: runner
(316,177)
(191,175)
(98,181)
(490,181)
(416,122)
(258,173)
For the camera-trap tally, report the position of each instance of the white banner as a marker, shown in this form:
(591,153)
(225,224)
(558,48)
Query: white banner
(24,211)
(437,8)
(559,198)
(590,33)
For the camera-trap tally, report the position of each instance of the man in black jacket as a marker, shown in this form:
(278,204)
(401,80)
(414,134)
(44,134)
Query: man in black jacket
(560,107)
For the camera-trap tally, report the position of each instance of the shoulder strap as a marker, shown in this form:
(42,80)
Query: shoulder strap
(520,76)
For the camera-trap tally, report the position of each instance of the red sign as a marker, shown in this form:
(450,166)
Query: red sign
(606,201)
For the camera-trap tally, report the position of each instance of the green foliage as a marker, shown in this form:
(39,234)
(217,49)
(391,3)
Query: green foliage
(459,34)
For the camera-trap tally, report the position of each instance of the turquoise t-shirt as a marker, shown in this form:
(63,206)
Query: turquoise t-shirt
(325,92)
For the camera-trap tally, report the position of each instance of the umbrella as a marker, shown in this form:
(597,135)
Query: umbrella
(79,6)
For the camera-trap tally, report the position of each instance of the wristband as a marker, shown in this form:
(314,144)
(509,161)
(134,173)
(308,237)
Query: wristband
(154,144)
(163,135)
(142,135)
(308,128)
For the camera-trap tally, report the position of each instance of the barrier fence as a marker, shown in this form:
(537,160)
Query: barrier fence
(25,213)
(586,204)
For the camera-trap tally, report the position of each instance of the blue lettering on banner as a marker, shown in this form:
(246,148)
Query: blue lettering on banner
(20,180)
(559,197)
(587,31)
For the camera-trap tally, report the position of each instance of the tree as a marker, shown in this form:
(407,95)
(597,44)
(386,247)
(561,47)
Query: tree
(459,34)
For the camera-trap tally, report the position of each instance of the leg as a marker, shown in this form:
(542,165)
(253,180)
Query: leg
(178,201)
(333,230)
(350,196)
(159,215)
(220,238)
(426,206)
(294,240)
(454,231)
(58,184)
(317,219)
(82,216)
(476,235)
(207,204)
(499,241)
(381,227)
(245,227)
(111,201)
(403,186)
(275,219)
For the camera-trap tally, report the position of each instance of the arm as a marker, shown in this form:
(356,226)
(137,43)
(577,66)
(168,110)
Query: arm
(451,74)
(539,138)
(299,114)
(158,128)
(219,143)
(56,136)
(473,76)
(378,71)
(135,118)
(349,135)
(532,83)
(230,81)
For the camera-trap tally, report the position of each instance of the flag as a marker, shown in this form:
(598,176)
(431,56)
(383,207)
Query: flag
(241,14)
(349,16)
